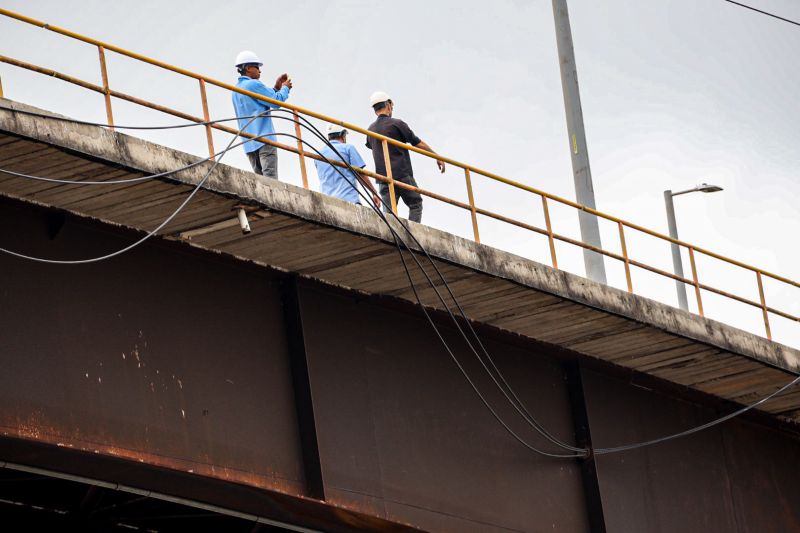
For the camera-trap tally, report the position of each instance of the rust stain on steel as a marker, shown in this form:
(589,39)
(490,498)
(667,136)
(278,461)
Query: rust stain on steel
(40,430)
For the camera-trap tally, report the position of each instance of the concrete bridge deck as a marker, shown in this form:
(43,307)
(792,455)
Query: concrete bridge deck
(274,373)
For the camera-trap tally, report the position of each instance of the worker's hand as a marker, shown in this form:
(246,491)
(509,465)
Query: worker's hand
(280,81)
(288,83)
(440,164)
(376,200)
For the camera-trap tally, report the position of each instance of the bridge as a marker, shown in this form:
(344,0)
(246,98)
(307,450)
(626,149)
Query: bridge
(287,375)
(295,378)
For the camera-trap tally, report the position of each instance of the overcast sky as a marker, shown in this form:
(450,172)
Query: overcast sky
(675,92)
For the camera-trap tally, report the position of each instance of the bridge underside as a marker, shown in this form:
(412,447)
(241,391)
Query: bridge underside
(287,377)
(338,410)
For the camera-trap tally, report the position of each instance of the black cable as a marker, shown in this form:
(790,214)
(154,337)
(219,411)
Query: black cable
(126,180)
(598,451)
(148,235)
(395,236)
(398,240)
(763,12)
(116,126)
(523,412)
(627,447)
(119,181)
(505,388)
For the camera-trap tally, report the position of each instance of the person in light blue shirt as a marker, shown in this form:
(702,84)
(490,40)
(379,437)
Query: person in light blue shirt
(263,157)
(338,181)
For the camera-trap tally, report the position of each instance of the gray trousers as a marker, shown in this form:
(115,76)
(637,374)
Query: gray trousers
(265,161)
(412,199)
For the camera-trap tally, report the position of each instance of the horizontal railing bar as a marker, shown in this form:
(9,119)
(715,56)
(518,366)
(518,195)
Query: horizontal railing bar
(784,315)
(52,73)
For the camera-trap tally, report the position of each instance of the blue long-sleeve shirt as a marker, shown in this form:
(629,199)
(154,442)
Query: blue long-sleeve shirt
(331,181)
(247,106)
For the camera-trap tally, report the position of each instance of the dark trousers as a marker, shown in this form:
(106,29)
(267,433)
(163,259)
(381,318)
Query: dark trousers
(412,199)
(265,161)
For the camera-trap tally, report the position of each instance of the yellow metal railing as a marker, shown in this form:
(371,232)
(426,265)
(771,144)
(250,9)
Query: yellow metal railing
(469,171)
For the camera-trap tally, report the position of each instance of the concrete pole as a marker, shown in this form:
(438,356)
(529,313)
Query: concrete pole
(584,191)
(677,262)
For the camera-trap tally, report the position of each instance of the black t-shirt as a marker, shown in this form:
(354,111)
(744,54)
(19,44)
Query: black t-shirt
(394,129)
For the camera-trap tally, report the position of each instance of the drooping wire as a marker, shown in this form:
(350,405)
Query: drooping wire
(125,180)
(397,241)
(395,235)
(686,433)
(118,127)
(316,132)
(310,127)
(518,406)
(505,388)
(595,450)
(119,181)
(149,234)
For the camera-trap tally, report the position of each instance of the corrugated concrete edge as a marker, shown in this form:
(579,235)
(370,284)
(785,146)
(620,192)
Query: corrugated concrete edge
(137,154)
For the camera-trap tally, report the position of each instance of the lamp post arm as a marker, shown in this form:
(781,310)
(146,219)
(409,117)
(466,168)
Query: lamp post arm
(694,189)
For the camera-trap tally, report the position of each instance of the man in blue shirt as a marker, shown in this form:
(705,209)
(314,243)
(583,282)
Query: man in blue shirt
(263,157)
(342,185)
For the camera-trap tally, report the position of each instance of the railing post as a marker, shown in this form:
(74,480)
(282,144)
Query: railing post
(302,153)
(207,118)
(625,255)
(763,305)
(106,90)
(388,165)
(549,232)
(1,88)
(696,283)
(472,206)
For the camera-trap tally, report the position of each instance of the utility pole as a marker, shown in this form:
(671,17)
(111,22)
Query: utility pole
(584,191)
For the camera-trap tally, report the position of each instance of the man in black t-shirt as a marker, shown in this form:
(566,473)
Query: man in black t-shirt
(399,158)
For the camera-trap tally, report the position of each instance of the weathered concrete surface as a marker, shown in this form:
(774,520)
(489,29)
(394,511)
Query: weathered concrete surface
(132,153)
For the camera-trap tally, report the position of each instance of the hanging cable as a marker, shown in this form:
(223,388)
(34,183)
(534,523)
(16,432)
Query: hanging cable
(505,388)
(716,422)
(125,180)
(520,408)
(119,181)
(115,126)
(599,451)
(149,234)
(397,241)
(314,130)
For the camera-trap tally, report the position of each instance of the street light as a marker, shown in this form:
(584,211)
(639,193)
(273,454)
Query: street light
(677,264)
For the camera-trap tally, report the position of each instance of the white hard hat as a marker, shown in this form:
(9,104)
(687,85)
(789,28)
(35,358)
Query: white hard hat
(378,97)
(246,57)
(335,128)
